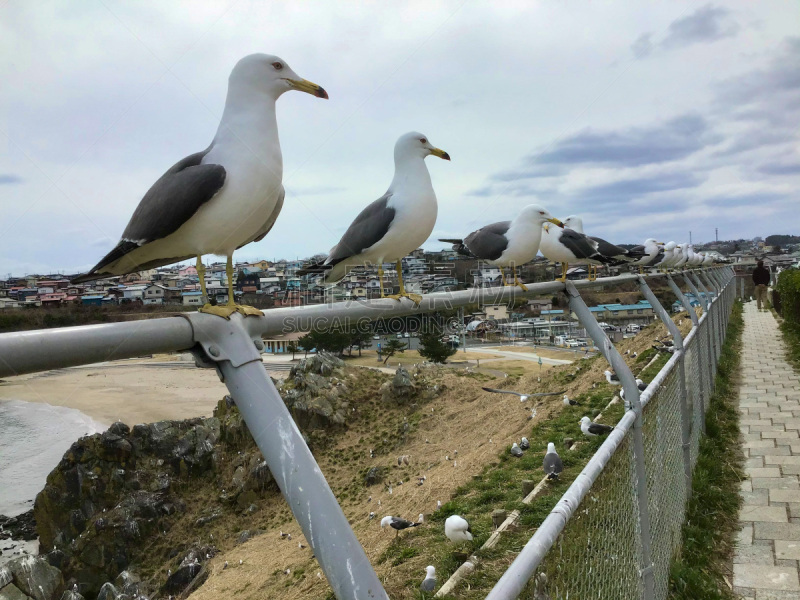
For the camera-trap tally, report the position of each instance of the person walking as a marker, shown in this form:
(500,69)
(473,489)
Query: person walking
(761,278)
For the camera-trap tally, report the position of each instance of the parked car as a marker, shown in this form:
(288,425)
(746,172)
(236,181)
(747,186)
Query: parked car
(376,337)
(406,334)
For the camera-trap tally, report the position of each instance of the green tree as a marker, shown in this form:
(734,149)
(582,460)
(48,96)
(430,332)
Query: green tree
(329,340)
(360,339)
(291,347)
(433,348)
(392,347)
(306,343)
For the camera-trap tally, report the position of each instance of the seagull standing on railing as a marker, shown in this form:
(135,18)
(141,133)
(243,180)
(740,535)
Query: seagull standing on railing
(507,243)
(217,200)
(393,225)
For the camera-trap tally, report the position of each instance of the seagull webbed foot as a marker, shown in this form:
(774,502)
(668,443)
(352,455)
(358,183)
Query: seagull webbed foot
(226,310)
(521,286)
(415,298)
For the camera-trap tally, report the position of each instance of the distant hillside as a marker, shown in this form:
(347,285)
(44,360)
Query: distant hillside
(782,240)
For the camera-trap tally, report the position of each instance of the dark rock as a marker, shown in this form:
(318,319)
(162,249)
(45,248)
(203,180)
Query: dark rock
(21,527)
(247,534)
(36,578)
(375,475)
(12,592)
(5,577)
(322,363)
(55,558)
(189,568)
(70,595)
(109,592)
(130,584)
(401,389)
(205,520)
(119,428)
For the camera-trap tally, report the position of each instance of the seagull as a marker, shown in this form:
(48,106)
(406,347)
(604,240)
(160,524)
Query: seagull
(221,198)
(507,243)
(552,464)
(516,450)
(651,249)
(569,401)
(566,246)
(641,385)
(397,523)
(617,253)
(457,529)
(524,444)
(393,225)
(429,583)
(612,378)
(593,429)
(522,397)
(421,518)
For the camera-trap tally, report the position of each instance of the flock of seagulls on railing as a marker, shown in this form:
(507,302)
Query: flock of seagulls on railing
(219,199)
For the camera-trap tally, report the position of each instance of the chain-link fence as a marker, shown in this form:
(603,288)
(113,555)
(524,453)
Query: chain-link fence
(599,548)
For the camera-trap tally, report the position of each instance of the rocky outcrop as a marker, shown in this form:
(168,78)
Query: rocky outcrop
(316,393)
(21,527)
(30,577)
(406,388)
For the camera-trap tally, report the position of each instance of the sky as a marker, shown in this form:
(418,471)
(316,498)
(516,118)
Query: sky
(646,119)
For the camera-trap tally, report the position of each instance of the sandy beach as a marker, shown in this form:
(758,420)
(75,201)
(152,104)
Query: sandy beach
(130,391)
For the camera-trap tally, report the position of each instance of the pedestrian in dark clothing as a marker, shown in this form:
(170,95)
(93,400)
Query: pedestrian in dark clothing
(761,278)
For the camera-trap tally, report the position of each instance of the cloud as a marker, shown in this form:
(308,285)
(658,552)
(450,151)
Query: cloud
(707,24)
(643,46)
(9,179)
(754,199)
(632,147)
(317,190)
(780,168)
(632,188)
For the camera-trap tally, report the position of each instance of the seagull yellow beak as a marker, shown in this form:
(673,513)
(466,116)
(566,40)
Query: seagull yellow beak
(440,153)
(303,85)
(555,221)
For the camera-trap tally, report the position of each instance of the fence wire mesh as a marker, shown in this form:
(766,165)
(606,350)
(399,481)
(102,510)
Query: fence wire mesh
(598,555)
(666,484)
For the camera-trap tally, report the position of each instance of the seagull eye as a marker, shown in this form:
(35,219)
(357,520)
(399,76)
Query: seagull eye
(423,140)
(278,66)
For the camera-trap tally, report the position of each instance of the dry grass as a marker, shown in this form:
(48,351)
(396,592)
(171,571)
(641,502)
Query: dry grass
(369,358)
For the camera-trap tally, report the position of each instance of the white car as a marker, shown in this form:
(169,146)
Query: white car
(406,334)
(376,337)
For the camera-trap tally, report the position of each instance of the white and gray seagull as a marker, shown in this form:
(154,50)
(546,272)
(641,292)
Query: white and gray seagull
(397,523)
(393,225)
(507,243)
(594,429)
(221,198)
(612,377)
(552,464)
(429,583)
(566,245)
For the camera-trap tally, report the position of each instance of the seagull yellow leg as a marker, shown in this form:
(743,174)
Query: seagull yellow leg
(201,275)
(503,277)
(231,307)
(564,267)
(517,282)
(380,279)
(415,298)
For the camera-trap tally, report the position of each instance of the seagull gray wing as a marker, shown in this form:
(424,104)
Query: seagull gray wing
(168,204)
(613,251)
(486,389)
(598,429)
(271,220)
(552,464)
(428,585)
(582,247)
(369,227)
(488,242)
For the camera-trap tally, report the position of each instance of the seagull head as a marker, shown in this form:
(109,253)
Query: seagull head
(551,447)
(585,421)
(387,520)
(574,222)
(268,75)
(430,572)
(538,215)
(416,144)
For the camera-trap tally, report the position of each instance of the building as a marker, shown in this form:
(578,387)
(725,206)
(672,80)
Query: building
(621,315)
(192,298)
(280,343)
(153,294)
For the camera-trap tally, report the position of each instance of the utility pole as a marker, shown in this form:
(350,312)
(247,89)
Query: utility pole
(690,237)
(716,234)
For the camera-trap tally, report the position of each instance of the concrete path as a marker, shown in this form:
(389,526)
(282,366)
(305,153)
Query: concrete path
(765,566)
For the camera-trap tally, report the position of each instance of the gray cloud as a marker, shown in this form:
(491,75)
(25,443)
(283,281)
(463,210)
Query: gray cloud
(749,199)
(780,168)
(9,179)
(626,189)
(632,147)
(643,46)
(707,24)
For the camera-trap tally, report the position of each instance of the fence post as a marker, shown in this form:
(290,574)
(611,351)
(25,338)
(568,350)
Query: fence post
(586,318)
(712,327)
(233,347)
(717,310)
(685,416)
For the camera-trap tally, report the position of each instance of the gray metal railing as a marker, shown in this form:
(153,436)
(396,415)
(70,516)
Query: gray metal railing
(627,456)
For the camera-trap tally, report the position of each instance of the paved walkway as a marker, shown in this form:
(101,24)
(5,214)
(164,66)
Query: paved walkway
(766,561)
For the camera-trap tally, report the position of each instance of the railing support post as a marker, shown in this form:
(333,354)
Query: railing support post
(708,379)
(578,306)
(686,417)
(716,310)
(233,348)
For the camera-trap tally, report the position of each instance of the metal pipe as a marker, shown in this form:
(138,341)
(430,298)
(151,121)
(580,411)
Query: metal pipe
(684,300)
(686,416)
(696,356)
(231,346)
(711,337)
(623,371)
(45,349)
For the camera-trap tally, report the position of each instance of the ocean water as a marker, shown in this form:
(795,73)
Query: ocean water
(33,438)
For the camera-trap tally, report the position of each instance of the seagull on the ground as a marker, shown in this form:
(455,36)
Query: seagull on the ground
(522,397)
(429,583)
(552,464)
(457,529)
(516,450)
(641,385)
(507,243)
(612,377)
(594,429)
(524,444)
(393,225)
(221,198)
(569,401)
(397,523)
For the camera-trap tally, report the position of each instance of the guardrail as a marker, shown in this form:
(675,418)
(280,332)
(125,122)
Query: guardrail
(234,347)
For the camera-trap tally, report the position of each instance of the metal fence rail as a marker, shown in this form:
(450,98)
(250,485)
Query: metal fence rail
(588,547)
